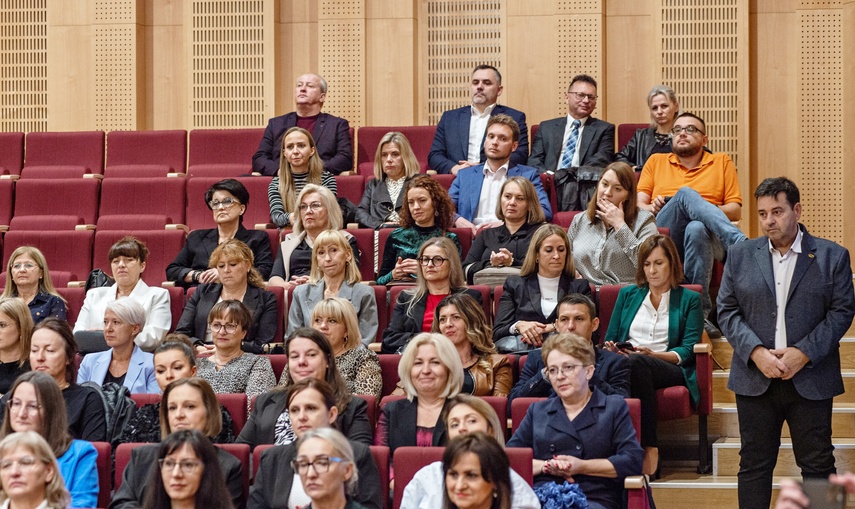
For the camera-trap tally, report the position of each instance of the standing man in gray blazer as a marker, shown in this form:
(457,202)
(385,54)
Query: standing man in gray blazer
(785,301)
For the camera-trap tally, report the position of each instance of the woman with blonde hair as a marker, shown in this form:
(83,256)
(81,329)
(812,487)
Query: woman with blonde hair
(656,139)
(16,330)
(334,274)
(29,475)
(28,277)
(299,164)
(394,164)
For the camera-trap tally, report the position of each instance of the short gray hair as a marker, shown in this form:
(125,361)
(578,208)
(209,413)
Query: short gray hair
(342,447)
(129,311)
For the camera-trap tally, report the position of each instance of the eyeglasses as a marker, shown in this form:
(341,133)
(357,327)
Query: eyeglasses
(17,406)
(565,370)
(230,328)
(186,466)
(435,261)
(24,266)
(24,463)
(222,204)
(580,96)
(315,206)
(690,129)
(321,464)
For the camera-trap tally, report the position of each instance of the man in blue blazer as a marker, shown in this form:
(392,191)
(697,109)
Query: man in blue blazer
(459,139)
(331,134)
(785,301)
(466,191)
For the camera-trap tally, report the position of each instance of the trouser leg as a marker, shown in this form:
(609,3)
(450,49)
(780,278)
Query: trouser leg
(647,374)
(760,421)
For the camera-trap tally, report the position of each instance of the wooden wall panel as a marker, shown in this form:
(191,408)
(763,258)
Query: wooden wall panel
(531,76)
(71,67)
(392,74)
(341,40)
(296,49)
(848,185)
(165,65)
(23,65)
(119,64)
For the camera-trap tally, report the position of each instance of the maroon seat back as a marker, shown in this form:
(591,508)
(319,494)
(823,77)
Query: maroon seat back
(519,407)
(7,201)
(380,453)
(104,463)
(365,242)
(11,153)
(158,196)
(55,246)
(146,153)
(235,404)
(222,152)
(162,246)
(389,372)
(74,298)
(199,216)
(241,452)
(70,198)
(143,399)
(350,187)
(64,154)
(625,132)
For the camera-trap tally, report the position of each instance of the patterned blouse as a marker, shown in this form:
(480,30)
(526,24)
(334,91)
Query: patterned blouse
(248,373)
(360,368)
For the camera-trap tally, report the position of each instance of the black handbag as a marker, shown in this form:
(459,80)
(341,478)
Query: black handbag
(98,278)
(574,187)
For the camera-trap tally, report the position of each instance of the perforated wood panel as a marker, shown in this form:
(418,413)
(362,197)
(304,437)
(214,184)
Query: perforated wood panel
(341,33)
(699,60)
(117,57)
(821,140)
(580,49)
(227,61)
(461,35)
(23,65)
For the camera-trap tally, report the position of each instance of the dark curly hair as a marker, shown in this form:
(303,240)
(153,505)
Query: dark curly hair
(442,205)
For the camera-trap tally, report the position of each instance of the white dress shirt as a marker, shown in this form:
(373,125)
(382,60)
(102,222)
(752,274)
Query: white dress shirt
(649,328)
(489,197)
(569,127)
(783,267)
(477,128)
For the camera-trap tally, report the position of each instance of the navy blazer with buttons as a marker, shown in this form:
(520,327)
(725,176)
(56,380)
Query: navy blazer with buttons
(332,140)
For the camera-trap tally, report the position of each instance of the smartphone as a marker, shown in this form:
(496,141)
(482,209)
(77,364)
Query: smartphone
(667,198)
(824,495)
(626,346)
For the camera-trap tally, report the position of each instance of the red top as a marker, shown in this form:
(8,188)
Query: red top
(432,303)
(308,123)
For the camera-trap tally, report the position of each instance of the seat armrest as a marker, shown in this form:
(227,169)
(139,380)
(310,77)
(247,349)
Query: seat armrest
(375,347)
(703,348)
(633,482)
(84,227)
(167,284)
(264,226)
(178,226)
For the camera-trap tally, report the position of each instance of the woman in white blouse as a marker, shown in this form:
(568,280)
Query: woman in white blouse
(661,322)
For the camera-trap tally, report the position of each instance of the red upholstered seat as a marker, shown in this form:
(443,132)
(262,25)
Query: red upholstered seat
(420,138)
(63,154)
(11,153)
(143,399)
(146,153)
(279,362)
(55,246)
(381,456)
(548,182)
(235,403)
(222,153)
(74,301)
(444,179)
(563,219)
(7,201)
(198,215)
(55,204)
(365,242)
(389,371)
(350,187)
(241,452)
(159,198)
(625,132)
(371,409)
(162,245)
(104,462)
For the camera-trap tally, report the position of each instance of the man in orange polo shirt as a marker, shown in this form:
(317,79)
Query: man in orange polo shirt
(696,195)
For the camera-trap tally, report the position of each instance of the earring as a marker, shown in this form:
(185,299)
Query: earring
(435,214)
(495,494)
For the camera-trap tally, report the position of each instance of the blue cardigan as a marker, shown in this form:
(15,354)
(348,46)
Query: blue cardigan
(140,376)
(80,473)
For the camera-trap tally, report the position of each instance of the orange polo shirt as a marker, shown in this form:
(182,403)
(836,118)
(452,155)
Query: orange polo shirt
(714,178)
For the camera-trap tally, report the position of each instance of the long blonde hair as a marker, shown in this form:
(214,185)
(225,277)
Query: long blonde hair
(286,179)
(411,163)
(45,283)
(337,239)
(18,312)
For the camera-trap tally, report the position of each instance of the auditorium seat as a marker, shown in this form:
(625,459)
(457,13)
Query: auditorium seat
(534,129)
(420,138)
(563,219)
(142,399)
(55,204)
(625,132)
(133,203)
(365,243)
(381,456)
(256,457)
(55,246)
(74,298)
(11,153)
(198,215)
(464,235)
(7,203)
(222,153)
(548,182)
(279,363)
(64,154)
(371,409)
(162,246)
(389,372)
(235,404)
(350,187)
(122,458)
(103,463)
(242,453)
(444,179)
(146,153)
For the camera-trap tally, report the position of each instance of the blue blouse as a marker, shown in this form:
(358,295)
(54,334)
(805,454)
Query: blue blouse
(45,305)
(80,473)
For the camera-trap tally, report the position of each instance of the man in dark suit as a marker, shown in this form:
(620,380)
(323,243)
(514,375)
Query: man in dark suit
(785,301)
(576,313)
(459,139)
(331,134)
(577,139)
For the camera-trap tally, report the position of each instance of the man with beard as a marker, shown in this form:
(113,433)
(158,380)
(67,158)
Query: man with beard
(695,194)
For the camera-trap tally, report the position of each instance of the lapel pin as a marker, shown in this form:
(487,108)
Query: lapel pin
(811,255)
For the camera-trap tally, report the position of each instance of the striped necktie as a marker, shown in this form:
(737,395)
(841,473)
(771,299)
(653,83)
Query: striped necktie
(570,147)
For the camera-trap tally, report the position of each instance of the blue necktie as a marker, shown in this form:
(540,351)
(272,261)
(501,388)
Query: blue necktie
(570,146)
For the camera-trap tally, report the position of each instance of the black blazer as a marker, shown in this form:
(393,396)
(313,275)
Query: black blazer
(493,239)
(401,417)
(332,140)
(259,428)
(376,204)
(402,326)
(138,472)
(272,485)
(201,243)
(262,304)
(521,301)
(598,144)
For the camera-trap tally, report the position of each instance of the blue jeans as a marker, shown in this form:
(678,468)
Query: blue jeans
(702,234)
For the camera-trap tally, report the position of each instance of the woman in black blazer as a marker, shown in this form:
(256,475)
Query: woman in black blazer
(656,139)
(529,303)
(228,200)
(440,274)
(239,280)
(309,356)
(394,164)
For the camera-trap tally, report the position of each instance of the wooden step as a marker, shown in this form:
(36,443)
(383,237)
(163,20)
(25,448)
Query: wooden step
(726,457)
(687,489)
(723,352)
(721,394)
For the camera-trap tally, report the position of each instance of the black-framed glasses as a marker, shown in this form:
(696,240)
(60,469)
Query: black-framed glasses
(581,96)
(230,328)
(565,370)
(222,204)
(187,467)
(690,129)
(432,261)
(321,464)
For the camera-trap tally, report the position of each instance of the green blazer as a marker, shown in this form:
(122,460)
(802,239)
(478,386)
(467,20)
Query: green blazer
(685,326)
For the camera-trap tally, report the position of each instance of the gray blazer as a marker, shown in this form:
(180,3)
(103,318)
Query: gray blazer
(820,308)
(598,144)
(360,295)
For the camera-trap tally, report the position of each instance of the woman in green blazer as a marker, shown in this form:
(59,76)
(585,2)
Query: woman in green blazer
(661,321)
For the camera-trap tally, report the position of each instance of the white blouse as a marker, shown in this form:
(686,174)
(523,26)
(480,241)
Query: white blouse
(649,328)
(548,293)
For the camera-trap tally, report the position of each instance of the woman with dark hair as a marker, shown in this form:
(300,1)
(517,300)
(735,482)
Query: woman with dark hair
(529,303)
(505,246)
(16,330)
(228,200)
(174,359)
(237,279)
(656,139)
(187,404)
(429,213)
(299,164)
(477,473)
(309,356)
(663,321)
(30,280)
(461,319)
(311,404)
(394,164)
(127,263)
(439,275)
(188,475)
(52,351)
(35,482)
(606,237)
(36,404)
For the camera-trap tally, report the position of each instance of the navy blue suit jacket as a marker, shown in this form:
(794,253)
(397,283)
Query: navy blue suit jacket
(465,190)
(820,307)
(332,139)
(597,149)
(451,141)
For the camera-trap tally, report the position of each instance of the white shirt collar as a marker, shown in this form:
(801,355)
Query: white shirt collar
(503,170)
(796,247)
(487,111)
(570,120)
